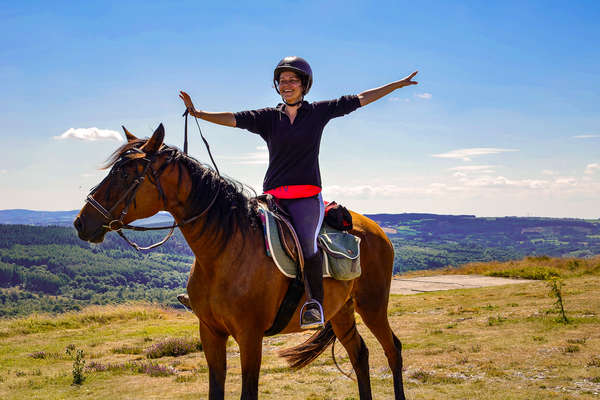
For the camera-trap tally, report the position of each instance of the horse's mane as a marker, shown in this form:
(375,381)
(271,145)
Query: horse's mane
(235,206)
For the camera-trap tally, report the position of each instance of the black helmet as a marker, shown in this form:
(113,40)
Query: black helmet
(295,64)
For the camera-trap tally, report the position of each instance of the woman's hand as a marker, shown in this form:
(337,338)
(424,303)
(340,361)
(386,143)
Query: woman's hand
(188,102)
(369,96)
(408,80)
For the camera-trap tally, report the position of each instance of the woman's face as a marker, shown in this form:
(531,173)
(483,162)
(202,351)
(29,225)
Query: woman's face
(290,87)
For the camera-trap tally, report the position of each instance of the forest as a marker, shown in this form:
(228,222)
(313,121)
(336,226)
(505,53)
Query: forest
(49,269)
(426,241)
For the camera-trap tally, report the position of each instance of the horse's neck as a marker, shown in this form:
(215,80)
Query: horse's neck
(203,242)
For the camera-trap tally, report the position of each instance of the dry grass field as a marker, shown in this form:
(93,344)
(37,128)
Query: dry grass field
(489,343)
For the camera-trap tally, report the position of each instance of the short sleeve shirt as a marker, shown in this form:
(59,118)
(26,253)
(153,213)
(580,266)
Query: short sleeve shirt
(294,148)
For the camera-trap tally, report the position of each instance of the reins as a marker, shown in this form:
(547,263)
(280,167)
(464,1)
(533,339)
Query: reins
(185,139)
(117,225)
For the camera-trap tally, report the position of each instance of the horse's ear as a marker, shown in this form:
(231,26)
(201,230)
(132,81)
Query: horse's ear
(154,143)
(130,136)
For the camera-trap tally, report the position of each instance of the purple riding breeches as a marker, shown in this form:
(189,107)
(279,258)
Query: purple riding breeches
(306,215)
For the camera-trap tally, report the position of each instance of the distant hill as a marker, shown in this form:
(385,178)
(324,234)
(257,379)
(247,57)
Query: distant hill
(63,218)
(424,241)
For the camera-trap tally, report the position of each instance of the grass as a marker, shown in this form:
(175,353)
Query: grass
(538,268)
(489,343)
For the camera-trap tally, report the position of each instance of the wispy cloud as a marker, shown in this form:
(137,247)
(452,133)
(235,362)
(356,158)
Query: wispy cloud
(91,174)
(592,168)
(481,169)
(501,181)
(425,96)
(586,136)
(468,187)
(91,134)
(466,154)
(3,171)
(258,157)
(389,191)
(402,99)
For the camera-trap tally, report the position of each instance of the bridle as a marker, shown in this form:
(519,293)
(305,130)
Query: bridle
(116,224)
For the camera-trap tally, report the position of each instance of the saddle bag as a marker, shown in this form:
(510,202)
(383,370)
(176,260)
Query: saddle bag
(341,253)
(338,216)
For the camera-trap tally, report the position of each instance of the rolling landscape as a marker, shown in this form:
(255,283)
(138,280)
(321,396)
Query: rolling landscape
(80,318)
(45,267)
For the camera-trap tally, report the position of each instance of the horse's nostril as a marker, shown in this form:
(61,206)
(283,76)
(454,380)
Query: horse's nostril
(78,224)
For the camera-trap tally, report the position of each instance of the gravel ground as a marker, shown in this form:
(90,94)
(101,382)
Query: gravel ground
(448,282)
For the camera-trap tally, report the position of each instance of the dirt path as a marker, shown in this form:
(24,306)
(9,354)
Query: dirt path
(447,282)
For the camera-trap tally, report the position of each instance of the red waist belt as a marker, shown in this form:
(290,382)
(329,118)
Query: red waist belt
(294,191)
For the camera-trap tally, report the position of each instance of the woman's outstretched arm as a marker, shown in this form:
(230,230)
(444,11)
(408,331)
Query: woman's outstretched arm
(369,96)
(221,118)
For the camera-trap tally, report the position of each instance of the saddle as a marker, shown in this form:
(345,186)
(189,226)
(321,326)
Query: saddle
(287,234)
(340,249)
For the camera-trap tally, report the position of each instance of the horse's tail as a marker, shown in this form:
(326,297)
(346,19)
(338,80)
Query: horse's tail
(305,353)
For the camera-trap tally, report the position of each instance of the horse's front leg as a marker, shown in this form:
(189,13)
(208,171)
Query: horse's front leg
(213,345)
(250,354)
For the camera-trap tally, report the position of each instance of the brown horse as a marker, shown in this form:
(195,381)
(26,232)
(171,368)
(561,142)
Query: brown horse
(234,288)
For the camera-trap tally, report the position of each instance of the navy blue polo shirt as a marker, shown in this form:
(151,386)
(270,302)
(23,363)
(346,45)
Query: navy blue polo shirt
(294,148)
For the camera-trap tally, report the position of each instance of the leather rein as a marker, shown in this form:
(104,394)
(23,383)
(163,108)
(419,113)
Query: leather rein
(117,225)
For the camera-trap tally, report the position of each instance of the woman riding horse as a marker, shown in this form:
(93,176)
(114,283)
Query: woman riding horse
(293,132)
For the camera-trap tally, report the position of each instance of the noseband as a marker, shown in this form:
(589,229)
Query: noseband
(117,225)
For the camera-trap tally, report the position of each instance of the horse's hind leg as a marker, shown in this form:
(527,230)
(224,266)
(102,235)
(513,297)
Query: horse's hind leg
(377,322)
(344,327)
(213,345)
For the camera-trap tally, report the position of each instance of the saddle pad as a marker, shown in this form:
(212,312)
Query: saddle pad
(341,252)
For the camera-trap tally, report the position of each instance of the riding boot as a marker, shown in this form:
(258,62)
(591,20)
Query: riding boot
(312,311)
(185,300)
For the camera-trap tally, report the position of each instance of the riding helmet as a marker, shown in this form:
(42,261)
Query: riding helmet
(298,65)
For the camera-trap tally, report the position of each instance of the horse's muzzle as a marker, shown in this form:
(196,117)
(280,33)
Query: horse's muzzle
(95,236)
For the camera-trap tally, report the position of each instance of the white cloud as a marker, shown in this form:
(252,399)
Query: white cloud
(566,181)
(258,157)
(386,191)
(402,99)
(91,174)
(425,96)
(548,172)
(91,134)
(3,171)
(591,168)
(466,154)
(480,169)
(586,136)
(501,181)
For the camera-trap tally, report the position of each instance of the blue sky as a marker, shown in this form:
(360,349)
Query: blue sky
(504,120)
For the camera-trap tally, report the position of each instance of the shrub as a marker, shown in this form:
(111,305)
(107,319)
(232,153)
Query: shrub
(38,355)
(125,349)
(149,368)
(78,364)
(173,347)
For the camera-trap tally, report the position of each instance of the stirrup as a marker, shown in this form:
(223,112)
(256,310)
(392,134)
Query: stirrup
(317,324)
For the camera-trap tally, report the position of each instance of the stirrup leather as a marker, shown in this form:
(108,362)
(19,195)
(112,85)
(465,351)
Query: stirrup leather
(317,324)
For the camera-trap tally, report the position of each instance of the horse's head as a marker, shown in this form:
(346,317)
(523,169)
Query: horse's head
(129,192)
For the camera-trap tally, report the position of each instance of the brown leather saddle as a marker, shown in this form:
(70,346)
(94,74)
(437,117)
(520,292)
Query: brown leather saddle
(287,234)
